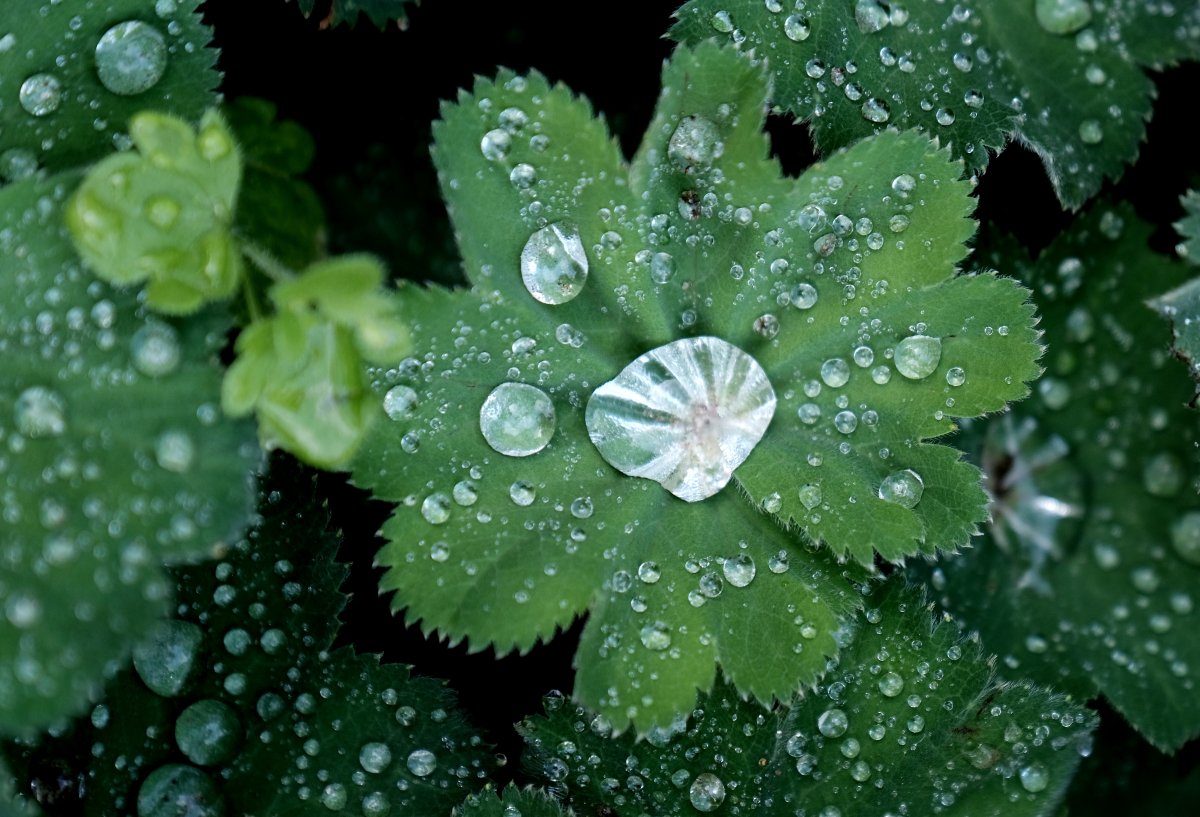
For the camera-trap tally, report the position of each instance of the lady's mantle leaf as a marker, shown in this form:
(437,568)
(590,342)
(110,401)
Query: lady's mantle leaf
(513,802)
(104,476)
(1090,574)
(581,264)
(975,73)
(263,720)
(1181,306)
(910,720)
(72,75)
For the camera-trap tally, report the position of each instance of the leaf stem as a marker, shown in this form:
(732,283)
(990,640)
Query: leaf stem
(262,258)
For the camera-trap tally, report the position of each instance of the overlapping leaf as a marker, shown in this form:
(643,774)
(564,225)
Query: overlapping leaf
(1181,306)
(910,720)
(700,236)
(50,60)
(1068,84)
(261,719)
(513,802)
(381,12)
(116,459)
(1090,575)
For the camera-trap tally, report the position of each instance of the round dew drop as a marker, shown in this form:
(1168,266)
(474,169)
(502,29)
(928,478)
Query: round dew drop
(168,786)
(696,142)
(208,732)
(891,684)
(40,412)
(40,94)
(903,488)
(796,28)
(1034,777)
(155,349)
(131,58)
(375,757)
(554,265)
(1063,16)
(399,402)
(917,357)
(739,570)
(165,659)
(422,762)
(1185,537)
(707,792)
(495,144)
(517,419)
(833,723)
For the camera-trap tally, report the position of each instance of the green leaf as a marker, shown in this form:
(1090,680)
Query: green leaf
(504,550)
(164,214)
(909,720)
(381,12)
(1181,306)
(302,368)
(117,459)
(83,68)
(275,207)
(268,722)
(1090,571)
(976,74)
(512,802)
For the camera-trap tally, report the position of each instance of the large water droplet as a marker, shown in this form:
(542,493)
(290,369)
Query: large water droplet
(696,142)
(1063,16)
(164,660)
(174,451)
(517,419)
(131,57)
(554,265)
(876,110)
(655,636)
(917,356)
(891,684)
(208,732)
(685,415)
(175,790)
(902,488)
(796,28)
(155,349)
(40,94)
(870,16)
(707,792)
(495,144)
(40,412)
(1034,777)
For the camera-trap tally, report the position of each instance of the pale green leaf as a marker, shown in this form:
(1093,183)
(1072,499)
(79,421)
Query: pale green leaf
(477,554)
(1090,572)
(117,459)
(909,720)
(974,74)
(83,119)
(308,729)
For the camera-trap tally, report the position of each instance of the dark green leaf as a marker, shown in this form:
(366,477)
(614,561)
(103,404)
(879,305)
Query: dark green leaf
(909,721)
(68,58)
(308,730)
(1090,572)
(974,74)
(117,459)
(513,802)
(1181,306)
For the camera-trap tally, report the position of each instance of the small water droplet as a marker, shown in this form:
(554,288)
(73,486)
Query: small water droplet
(155,349)
(835,372)
(40,412)
(40,94)
(833,723)
(517,419)
(375,757)
(422,762)
(208,732)
(1090,132)
(955,376)
(1185,537)
(495,144)
(876,110)
(891,684)
(804,296)
(554,266)
(436,508)
(174,451)
(522,493)
(656,636)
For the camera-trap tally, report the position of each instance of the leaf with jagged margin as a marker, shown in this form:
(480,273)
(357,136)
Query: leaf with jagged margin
(976,74)
(1126,775)
(910,720)
(1089,576)
(380,12)
(276,208)
(307,728)
(59,40)
(117,459)
(1181,306)
(472,556)
(513,802)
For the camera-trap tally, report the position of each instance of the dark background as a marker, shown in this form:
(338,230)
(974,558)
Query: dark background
(369,97)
